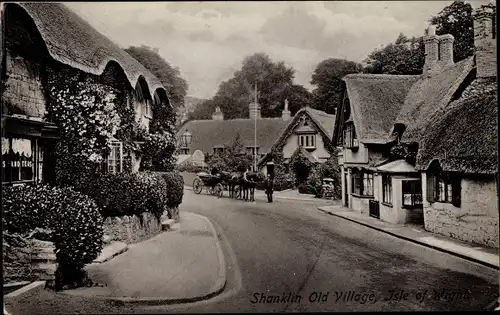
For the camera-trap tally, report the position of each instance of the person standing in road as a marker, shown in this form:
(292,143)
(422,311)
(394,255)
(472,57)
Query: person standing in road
(269,188)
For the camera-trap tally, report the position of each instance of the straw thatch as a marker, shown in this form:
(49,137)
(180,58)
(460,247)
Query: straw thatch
(208,134)
(72,41)
(376,100)
(463,136)
(429,95)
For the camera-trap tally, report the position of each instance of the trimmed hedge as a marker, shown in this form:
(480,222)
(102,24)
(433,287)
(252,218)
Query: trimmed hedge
(133,194)
(73,219)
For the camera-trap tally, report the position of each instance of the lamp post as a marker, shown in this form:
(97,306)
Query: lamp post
(186,139)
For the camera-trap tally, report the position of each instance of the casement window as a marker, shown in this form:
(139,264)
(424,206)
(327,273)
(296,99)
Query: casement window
(362,183)
(350,140)
(412,193)
(387,189)
(307,141)
(444,187)
(22,161)
(114,161)
(148,109)
(184,151)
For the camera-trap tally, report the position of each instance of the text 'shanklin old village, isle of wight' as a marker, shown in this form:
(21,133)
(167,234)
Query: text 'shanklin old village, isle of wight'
(294,156)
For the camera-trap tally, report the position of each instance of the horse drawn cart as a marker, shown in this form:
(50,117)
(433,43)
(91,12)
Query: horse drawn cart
(212,183)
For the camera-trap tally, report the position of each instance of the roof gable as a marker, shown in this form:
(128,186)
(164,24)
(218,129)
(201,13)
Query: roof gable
(375,102)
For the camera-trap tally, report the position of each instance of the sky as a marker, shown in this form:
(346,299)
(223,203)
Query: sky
(207,41)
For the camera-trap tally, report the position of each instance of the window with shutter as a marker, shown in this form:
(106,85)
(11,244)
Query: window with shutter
(456,186)
(431,188)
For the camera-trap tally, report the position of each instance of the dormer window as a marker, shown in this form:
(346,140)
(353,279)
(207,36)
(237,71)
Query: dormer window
(251,151)
(218,150)
(350,139)
(148,109)
(307,141)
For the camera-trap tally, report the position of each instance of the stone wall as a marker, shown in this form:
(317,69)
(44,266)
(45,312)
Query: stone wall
(130,229)
(24,93)
(27,259)
(476,221)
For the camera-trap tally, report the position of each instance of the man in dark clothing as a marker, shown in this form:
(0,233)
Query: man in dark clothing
(268,186)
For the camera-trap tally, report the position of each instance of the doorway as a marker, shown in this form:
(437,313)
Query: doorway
(270,170)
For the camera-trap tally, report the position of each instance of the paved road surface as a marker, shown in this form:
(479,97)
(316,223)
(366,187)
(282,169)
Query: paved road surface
(291,248)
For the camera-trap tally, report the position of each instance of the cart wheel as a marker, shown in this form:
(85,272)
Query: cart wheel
(219,190)
(197,186)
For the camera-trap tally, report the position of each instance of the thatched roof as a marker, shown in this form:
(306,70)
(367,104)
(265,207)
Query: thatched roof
(74,42)
(208,134)
(376,100)
(463,136)
(428,95)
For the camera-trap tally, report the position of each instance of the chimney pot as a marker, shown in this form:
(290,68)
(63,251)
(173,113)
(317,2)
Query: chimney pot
(254,110)
(431,41)
(217,115)
(446,49)
(484,41)
(285,115)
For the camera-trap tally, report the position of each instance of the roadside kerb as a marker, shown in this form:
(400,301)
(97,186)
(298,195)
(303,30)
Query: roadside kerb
(36,285)
(215,290)
(413,240)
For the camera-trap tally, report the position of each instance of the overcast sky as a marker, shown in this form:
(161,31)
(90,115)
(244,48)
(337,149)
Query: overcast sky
(208,40)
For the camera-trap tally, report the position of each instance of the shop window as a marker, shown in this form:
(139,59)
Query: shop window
(21,161)
(412,193)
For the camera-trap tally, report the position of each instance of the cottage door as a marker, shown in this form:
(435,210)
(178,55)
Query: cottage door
(346,192)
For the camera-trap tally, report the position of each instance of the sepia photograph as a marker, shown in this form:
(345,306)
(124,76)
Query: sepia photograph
(249,157)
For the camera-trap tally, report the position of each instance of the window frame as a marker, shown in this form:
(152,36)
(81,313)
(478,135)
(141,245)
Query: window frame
(413,188)
(36,163)
(115,144)
(387,189)
(362,181)
(307,141)
(349,135)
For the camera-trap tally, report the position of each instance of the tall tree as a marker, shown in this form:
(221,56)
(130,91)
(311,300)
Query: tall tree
(274,82)
(169,76)
(456,19)
(328,80)
(404,56)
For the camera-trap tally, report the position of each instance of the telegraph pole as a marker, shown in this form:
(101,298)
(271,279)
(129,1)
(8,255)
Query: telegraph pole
(255,132)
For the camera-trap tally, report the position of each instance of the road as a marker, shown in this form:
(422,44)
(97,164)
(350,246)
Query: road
(290,248)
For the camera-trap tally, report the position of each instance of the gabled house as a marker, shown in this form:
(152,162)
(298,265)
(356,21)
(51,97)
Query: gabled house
(310,130)
(216,135)
(43,36)
(423,149)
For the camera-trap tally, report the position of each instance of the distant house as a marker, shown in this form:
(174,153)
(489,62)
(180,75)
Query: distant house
(42,36)
(311,130)
(216,135)
(423,149)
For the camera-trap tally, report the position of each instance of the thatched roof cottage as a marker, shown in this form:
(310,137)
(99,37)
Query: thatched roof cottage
(45,36)
(423,149)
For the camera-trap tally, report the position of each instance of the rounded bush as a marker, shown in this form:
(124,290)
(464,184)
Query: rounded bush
(73,219)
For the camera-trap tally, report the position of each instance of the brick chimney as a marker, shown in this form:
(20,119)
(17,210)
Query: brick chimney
(217,115)
(254,110)
(485,40)
(285,115)
(431,41)
(446,50)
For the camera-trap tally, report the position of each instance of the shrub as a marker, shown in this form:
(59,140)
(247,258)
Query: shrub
(130,194)
(329,169)
(73,219)
(305,188)
(282,180)
(191,168)
(175,187)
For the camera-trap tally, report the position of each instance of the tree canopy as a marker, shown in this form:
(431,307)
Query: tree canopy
(169,76)
(327,77)
(274,83)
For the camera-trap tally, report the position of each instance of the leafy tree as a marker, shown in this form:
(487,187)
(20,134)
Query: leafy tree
(456,19)
(405,56)
(274,82)
(328,80)
(169,76)
(329,169)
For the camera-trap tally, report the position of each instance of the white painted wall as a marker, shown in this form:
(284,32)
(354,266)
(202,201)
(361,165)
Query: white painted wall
(475,221)
(292,144)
